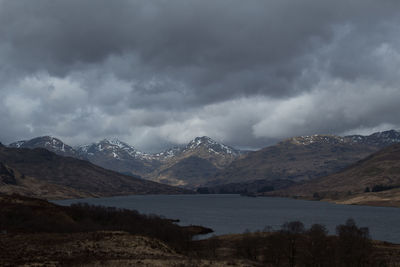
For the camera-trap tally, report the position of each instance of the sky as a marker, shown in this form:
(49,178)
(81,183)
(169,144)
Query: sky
(157,73)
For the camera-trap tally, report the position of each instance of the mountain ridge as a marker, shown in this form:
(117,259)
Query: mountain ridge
(304,157)
(77,175)
(205,162)
(379,139)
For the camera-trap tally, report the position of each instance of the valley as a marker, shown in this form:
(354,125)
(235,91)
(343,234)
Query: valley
(199,133)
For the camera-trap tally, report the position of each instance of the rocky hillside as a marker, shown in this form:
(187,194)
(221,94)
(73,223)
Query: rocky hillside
(304,158)
(75,175)
(373,180)
(7,175)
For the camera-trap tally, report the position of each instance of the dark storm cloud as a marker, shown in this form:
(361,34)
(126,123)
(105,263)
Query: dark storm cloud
(257,46)
(244,72)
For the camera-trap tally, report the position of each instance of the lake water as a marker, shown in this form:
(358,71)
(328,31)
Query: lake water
(234,213)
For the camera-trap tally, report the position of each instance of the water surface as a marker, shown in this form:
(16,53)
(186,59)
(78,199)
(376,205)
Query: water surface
(236,214)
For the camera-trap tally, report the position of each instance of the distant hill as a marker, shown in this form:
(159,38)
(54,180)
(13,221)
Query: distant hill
(76,175)
(373,180)
(304,158)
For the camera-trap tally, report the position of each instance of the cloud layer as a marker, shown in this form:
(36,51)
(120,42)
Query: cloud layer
(156,73)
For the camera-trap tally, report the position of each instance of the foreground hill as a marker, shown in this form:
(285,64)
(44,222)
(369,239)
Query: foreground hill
(35,232)
(374,180)
(304,158)
(13,182)
(38,233)
(73,174)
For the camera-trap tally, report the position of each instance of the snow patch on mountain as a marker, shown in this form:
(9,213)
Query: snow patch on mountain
(212,146)
(115,148)
(17,144)
(48,142)
(379,139)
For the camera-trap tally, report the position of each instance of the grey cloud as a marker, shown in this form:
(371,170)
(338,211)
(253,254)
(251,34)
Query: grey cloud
(157,72)
(220,39)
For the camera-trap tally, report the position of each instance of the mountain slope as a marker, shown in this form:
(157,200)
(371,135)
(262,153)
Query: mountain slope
(379,172)
(304,158)
(191,170)
(116,155)
(78,175)
(194,164)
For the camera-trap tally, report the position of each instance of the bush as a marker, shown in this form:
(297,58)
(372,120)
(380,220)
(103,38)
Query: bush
(379,187)
(354,247)
(294,245)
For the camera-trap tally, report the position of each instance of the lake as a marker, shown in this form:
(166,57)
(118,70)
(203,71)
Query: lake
(236,214)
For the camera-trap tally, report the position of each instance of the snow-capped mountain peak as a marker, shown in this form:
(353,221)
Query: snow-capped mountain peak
(211,145)
(113,147)
(49,142)
(204,140)
(204,143)
(115,142)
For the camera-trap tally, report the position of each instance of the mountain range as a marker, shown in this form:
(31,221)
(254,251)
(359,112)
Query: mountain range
(187,166)
(204,162)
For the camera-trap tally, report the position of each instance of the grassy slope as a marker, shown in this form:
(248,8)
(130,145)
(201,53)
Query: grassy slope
(348,186)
